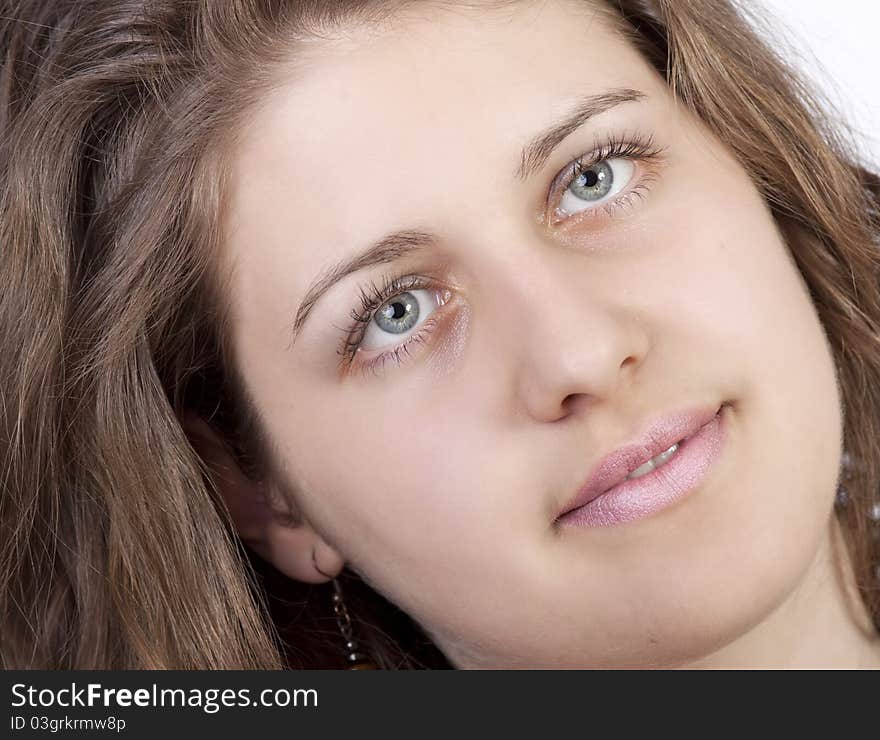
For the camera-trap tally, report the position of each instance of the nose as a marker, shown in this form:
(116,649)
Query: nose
(575,335)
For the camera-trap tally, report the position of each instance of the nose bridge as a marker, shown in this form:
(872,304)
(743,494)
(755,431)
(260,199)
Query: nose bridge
(553,286)
(559,307)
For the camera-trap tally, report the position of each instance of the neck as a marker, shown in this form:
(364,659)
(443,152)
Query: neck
(822,624)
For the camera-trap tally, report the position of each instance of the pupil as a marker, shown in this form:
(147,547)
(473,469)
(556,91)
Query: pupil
(398,314)
(590,178)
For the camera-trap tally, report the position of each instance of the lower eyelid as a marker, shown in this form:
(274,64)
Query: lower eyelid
(405,348)
(639,185)
(397,340)
(431,325)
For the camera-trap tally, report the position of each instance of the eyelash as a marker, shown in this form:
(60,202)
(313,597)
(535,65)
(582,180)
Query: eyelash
(625,146)
(373,296)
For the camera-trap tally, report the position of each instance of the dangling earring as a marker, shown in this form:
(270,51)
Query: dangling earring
(841,497)
(358,661)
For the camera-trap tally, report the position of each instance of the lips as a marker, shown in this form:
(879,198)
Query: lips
(659,434)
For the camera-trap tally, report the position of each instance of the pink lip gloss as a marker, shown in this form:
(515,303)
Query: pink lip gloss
(640,497)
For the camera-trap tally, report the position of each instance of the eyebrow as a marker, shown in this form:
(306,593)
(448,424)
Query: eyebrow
(390,248)
(399,244)
(539,149)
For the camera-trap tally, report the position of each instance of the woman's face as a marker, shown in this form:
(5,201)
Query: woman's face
(543,326)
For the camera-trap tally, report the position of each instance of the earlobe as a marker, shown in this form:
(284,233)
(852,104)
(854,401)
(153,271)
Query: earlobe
(300,553)
(295,549)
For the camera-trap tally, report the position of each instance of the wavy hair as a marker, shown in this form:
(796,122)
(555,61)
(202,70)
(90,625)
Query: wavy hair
(117,122)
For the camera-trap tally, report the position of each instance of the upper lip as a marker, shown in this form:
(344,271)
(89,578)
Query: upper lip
(659,434)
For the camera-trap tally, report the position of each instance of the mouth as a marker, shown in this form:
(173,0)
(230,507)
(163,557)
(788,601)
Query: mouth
(660,447)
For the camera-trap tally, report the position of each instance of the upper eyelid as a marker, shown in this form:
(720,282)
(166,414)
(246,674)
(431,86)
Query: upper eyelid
(391,286)
(603,150)
(585,161)
(599,153)
(571,170)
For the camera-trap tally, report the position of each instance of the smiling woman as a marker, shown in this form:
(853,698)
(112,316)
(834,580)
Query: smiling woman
(548,332)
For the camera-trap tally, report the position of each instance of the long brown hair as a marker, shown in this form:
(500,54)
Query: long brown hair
(116,122)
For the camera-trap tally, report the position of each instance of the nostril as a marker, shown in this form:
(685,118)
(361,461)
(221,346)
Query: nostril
(572,401)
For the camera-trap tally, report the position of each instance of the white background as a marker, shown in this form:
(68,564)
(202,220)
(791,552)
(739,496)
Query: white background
(838,44)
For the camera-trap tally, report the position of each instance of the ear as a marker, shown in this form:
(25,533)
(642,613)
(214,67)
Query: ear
(262,519)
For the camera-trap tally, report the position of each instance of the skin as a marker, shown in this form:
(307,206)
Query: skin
(438,480)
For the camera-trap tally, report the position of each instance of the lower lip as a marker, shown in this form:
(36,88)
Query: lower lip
(638,498)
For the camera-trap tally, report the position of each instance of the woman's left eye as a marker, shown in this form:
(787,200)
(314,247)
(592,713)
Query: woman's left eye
(398,316)
(393,318)
(595,185)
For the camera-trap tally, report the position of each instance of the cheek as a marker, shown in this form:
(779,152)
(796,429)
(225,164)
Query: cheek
(391,480)
(745,327)
(770,332)
(759,327)
(752,333)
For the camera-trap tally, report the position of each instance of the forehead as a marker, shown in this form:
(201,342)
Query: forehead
(439,71)
(392,126)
